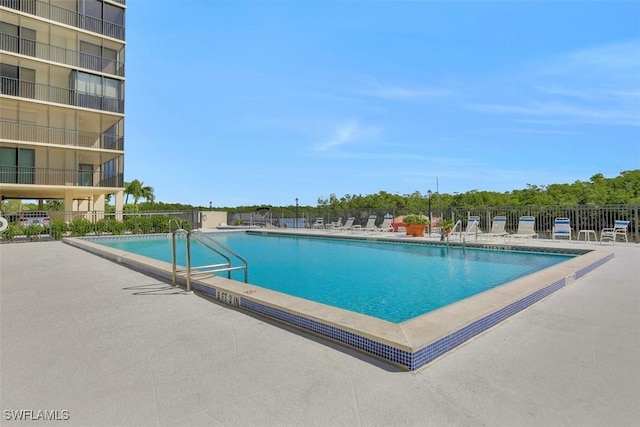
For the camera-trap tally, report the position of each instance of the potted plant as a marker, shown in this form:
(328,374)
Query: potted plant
(415,225)
(445,226)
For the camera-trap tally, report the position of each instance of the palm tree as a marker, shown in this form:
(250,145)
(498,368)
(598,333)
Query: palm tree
(147,193)
(134,189)
(137,190)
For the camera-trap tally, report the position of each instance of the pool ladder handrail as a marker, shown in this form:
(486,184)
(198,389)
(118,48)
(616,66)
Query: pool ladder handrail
(173,220)
(205,270)
(453,230)
(473,229)
(463,236)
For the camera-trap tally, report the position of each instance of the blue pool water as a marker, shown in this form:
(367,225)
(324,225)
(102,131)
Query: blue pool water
(390,281)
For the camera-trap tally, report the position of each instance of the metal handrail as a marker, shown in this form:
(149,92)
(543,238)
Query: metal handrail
(210,244)
(466,233)
(207,241)
(173,254)
(173,220)
(453,229)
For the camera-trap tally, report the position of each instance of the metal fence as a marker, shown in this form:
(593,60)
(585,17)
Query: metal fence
(582,217)
(133,219)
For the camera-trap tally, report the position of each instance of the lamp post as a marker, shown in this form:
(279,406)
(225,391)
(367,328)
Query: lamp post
(296,212)
(429,193)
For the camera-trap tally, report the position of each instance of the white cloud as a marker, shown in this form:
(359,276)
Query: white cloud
(347,133)
(599,85)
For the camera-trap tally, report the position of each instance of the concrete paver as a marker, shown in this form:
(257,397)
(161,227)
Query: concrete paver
(113,347)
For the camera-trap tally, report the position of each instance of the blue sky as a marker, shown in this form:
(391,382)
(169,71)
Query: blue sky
(260,102)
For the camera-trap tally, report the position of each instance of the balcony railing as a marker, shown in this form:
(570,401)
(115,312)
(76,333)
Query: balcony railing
(66,137)
(61,55)
(66,16)
(62,177)
(26,89)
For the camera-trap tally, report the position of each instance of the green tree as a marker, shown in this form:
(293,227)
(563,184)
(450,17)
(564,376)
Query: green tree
(138,190)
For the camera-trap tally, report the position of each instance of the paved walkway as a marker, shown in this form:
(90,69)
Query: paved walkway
(107,346)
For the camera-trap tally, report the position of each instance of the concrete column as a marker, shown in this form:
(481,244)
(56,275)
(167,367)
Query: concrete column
(68,206)
(98,205)
(119,203)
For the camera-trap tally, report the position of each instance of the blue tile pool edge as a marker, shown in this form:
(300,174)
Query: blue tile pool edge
(408,360)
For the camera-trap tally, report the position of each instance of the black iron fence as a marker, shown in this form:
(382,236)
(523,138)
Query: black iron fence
(582,217)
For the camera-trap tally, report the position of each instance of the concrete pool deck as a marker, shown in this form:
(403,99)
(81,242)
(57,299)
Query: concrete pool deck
(116,347)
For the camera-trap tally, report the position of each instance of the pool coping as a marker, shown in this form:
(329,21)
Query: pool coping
(410,344)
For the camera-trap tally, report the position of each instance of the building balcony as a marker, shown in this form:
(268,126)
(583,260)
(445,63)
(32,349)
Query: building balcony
(67,16)
(22,175)
(64,137)
(60,55)
(41,92)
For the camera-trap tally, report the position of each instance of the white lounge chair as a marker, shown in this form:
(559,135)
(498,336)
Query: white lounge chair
(349,224)
(335,224)
(561,228)
(619,229)
(473,228)
(385,225)
(370,225)
(497,228)
(525,230)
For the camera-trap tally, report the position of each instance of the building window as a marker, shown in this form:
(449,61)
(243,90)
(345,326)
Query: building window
(17,165)
(17,81)
(109,174)
(85,175)
(93,91)
(17,39)
(98,58)
(102,18)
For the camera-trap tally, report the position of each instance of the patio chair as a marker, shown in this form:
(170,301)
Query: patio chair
(335,224)
(497,228)
(369,226)
(473,228)
(561,228)
(348,225)
(385,225)
(525,228)
(319,222)
(619,229)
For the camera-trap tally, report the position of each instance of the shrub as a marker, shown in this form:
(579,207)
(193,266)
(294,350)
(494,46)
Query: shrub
(33,231)
(416,219)
(116,227)
(58,229)
(11,232)
(131,224)
(145,224)
(80,227)
(160,223)
(102,226)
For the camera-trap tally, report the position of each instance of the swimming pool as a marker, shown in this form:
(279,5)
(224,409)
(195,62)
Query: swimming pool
(393,281)
(410,344)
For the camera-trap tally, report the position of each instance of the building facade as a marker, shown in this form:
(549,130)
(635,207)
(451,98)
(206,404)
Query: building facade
(62,102)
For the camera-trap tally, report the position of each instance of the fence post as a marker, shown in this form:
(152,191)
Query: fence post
(637,238)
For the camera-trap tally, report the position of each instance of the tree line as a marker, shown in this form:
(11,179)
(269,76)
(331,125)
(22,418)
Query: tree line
(622,189)
(599,190)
